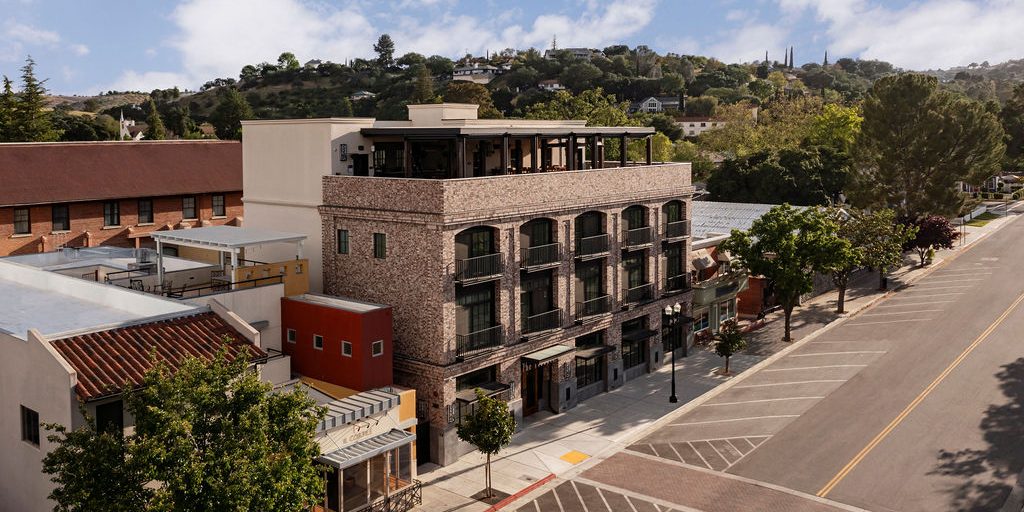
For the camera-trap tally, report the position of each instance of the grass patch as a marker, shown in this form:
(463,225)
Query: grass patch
(982,219)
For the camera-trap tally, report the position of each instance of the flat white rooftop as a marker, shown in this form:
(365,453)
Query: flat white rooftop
(117,258)
(52,303)
(225,237)
(355,306)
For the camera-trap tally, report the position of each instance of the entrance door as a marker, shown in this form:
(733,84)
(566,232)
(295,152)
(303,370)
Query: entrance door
(360,164)
(533,388)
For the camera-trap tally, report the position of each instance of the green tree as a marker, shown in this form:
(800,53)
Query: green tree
(423,91)
(762,89)
(8,104)
(729,340)
(851,257)
(665,124)
(32,123)
(881,238)
(700,165)
(249,72)
(933,232)
(489,427)
(94,470)
(211,432)
(345,108)
(287,60)
(469,92)
(231,110)
(593,105)
(1012,118)
(154,124)
(385,49)
(579,76)
(703,106)
(179,121)
(804,176)
(836,126)
(787,246)
(917,141)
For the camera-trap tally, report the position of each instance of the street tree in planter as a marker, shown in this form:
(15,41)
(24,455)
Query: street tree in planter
(933,232)
(850,256)
(728,341)
(786,246)
(489,428)
(881,238)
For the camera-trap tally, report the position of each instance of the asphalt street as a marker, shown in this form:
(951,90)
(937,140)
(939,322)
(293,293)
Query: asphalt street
(913,404)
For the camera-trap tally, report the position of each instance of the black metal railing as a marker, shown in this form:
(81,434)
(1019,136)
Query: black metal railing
(402,500)
(466,344)
(678,283)
(597,306)
(480,267)
(637,236)
(639,293)
(543,321)
(591,245)
(540,255)
(678,229)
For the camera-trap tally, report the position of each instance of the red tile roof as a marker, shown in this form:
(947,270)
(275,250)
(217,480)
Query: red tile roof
(60,172)
(108,360)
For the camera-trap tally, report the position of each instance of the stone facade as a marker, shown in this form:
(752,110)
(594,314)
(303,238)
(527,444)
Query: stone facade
(417,276)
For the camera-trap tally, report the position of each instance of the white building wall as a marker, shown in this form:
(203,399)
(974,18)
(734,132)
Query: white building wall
(33,375)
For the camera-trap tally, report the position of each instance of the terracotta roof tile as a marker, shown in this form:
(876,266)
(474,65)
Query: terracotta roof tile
(93,171)
(108,360)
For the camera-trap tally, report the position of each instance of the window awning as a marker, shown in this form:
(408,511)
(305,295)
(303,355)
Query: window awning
(357,452)
(592,352)
(639,334)
(358,406)
(547,354)
(724,256)
(702,260)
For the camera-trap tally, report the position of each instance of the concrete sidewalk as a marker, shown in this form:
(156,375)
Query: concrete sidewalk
(601,426)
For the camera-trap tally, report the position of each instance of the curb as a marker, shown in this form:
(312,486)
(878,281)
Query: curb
(522,492)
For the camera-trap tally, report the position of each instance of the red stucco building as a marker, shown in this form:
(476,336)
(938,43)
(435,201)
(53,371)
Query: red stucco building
(341,341)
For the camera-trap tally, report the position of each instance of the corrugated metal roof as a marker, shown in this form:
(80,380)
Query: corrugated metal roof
(358,452)
(720,218)
(106,361)
(358,406)
(546,354)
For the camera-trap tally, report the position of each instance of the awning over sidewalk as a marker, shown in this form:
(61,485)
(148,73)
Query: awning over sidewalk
(358,406)
(547,354)
(368,448)
(639,334)
(592,352)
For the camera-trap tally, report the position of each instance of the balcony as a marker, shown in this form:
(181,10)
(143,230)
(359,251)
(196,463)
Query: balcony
(541,256)
(479,269)
(640,293)
(408,497)
(676,284)
(592,246)
(637,237)
(593,307)
(475,342)
(466,400)
(542,322)
(677,230)
(719,287)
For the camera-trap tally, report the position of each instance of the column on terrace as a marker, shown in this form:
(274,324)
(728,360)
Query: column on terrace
(623,146)
(534,154)
(407,156)
(519,155)
(593,152)
(504,154)
(460,157)
(600,151)
(570,153)
(648,141)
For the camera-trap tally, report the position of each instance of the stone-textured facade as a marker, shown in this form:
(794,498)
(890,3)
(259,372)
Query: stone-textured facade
(421,219)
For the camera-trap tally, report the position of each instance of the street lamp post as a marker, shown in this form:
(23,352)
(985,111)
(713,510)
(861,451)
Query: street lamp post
(671,313)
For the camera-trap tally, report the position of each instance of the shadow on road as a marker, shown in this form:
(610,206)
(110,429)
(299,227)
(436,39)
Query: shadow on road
(1001,460)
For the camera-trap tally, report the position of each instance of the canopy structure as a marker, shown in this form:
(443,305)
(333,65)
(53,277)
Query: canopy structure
(546,354)
(357,452)
(224,239)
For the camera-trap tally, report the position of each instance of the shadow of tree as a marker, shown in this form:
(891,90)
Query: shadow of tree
(983,471)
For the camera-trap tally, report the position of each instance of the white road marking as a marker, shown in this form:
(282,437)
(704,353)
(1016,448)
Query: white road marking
(766,400)
(630,502)
(695,450)
(734,448)
(751,418)
(890,322)
(816,367)
(909,297)
(903,312)
(752,446)
(580,496)
(933,288)
(964,272)
(788,383)
(720,456)
(839,353)
(601,495)
(681,459)
(915,303)
(943,281)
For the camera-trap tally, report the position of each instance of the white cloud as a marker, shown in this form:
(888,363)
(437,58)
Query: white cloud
(150,52)
(79,49)
(747,43)
(30,35)
(925,34)
(736,15)
(147,81)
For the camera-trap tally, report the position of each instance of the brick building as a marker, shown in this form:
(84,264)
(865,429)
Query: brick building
(84,194)
(516,259)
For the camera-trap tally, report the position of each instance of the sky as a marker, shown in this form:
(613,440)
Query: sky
(89,46)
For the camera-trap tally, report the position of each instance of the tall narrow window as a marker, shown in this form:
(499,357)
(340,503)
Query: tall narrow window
(318,342)
(111,213)
(342,241)
(380,245)
(22,224)
(218,206)
(110,417)
(60,218)
(188,207)
(29,426)
(145,211)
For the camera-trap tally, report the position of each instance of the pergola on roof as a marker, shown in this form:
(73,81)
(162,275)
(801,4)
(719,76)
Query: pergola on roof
(225,237)
(499,131)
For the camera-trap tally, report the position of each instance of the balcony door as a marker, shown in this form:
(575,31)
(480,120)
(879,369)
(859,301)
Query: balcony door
(476,308)
(474,242)
(536,298)
(635,269)
(536,380)
(589,224)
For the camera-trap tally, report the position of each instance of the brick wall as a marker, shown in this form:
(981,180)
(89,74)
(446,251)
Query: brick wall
(87,227)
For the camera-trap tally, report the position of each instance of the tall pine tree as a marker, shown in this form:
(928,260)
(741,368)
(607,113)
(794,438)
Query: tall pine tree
(424,87)
(155,125)
(230,112)
(7,105)
(31,122)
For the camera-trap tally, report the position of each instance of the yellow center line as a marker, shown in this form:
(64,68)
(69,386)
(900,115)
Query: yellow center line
(910,407)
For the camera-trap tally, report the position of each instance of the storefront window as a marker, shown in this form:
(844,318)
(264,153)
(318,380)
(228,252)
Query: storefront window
(727,310)
(354,486)
(702,321)
(589,371)
(633,354)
